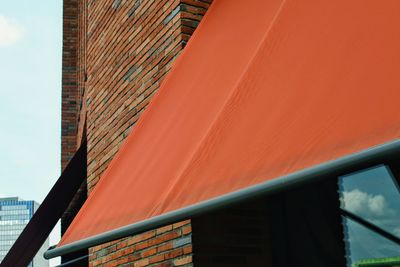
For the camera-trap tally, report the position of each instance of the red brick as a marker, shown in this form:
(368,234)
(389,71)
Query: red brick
(164,229)
(180,224)
(183,261)
(187,249)
(186,229)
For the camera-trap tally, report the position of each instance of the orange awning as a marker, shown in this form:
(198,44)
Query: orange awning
(263,89)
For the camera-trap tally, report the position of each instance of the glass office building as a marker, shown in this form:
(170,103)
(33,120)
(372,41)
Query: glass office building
(14,216)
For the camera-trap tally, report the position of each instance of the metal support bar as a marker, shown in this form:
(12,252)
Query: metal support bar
(50,211)
(81,261)
(370,226)
(353,162)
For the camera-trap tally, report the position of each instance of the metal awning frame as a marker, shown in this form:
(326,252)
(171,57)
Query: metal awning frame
(372,156)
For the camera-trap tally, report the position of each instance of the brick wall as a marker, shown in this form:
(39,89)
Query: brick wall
(131,46)
(167,246)
(69,113)
(116,53)
(73,78)
(73,104)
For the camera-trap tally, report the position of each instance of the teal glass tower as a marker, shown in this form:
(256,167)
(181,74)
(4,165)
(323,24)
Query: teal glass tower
(15,214)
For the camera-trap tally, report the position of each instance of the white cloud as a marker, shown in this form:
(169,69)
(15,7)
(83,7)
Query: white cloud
(397,231)
(368,205)
(10,31)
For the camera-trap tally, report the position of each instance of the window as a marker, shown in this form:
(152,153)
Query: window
(370,195)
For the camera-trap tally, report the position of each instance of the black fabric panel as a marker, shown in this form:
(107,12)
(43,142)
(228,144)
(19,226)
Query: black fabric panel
(307,228)
(394,166)
(237,236)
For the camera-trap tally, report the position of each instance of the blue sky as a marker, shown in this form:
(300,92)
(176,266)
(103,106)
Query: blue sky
(30,110)
(371,194)
(30,93)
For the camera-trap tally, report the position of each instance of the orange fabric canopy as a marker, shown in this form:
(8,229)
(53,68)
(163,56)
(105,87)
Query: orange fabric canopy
(263,89)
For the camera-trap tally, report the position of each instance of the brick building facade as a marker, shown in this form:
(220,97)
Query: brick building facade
(115,55)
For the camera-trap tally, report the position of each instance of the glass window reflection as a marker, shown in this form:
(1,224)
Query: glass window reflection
(373,195)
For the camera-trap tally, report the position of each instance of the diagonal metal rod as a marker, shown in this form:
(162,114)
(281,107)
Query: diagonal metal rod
(81,261)
(363,159)
(49,212)
(370,226)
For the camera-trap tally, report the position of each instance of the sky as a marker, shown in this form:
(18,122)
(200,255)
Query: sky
(30,123)
(373,195)
(30,94)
